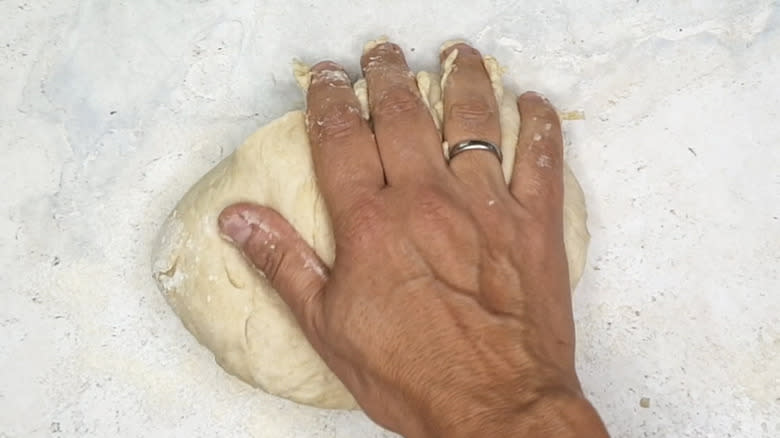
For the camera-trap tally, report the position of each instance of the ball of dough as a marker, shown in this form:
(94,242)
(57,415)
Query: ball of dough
(230,308)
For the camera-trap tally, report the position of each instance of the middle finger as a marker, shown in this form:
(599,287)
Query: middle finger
(409,143)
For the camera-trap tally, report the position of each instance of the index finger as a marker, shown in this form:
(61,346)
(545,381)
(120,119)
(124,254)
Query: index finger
(346,160)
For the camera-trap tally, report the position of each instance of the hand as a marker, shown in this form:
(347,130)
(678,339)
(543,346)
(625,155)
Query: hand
(447,311)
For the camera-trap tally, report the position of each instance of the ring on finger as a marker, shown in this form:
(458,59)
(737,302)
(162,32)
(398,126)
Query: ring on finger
(475,145)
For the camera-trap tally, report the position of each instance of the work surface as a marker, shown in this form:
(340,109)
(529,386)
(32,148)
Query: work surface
(109,111)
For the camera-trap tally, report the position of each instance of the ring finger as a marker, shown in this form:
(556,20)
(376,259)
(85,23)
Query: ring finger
(471,113)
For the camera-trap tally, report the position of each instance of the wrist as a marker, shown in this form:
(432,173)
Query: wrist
(562,417)
(556,415)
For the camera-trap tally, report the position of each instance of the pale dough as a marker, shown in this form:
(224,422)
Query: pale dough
(230,307)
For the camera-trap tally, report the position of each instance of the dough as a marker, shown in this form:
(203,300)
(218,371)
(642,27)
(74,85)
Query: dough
(229,307)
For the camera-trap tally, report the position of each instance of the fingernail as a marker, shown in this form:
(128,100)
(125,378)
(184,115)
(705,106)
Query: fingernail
(326,66)
(235,229)
(535,95)
(451,43)
(374,43)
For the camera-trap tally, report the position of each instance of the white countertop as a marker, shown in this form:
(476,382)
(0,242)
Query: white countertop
(109,111)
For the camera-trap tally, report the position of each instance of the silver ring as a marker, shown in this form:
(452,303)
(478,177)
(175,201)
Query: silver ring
(475,145)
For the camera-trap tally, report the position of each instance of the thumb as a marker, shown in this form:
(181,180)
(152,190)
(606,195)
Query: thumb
(273,246)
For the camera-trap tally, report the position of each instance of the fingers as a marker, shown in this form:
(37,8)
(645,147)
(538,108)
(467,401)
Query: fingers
(406,135)
(537,179)
(273,246)
(471,113)
(345,155)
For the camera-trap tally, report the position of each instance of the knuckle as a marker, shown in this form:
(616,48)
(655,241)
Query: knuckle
(545,114)
(472,111)
(442,221)
(434,210)
(274,265)
(546,156)
(431,203)
(549,114)
(308,307)
(396,102)
(496,219)
(338,122)
(541,193)
(266,257)
(541,239)
(499,224)
(542,207)
(362,220)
